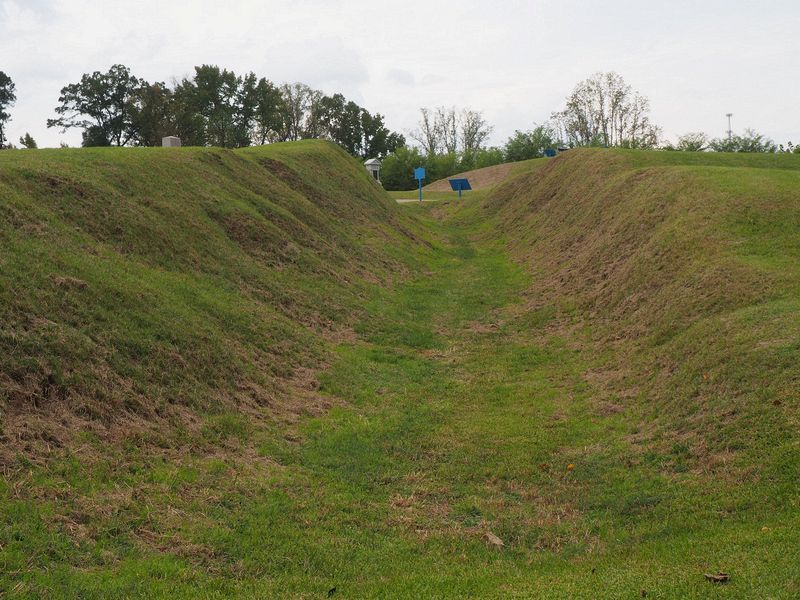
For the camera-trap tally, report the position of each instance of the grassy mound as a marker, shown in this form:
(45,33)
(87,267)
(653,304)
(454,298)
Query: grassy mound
(680,271)
(139,288)
(485,178)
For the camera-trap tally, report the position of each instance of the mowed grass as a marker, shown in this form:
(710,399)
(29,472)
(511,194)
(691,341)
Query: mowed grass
(497,394)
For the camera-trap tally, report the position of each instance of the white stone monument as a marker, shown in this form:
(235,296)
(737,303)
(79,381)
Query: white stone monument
(373,166)
(171,142)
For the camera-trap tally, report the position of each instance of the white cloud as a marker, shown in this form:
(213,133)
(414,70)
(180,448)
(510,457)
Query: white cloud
(513,59)
(400,77)
(325,62)
(17,18)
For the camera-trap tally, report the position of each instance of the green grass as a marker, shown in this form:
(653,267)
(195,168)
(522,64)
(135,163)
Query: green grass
(134,280)
(619,434)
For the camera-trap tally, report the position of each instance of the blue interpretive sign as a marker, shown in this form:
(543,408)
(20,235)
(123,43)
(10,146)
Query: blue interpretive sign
(419,175)
(460,185)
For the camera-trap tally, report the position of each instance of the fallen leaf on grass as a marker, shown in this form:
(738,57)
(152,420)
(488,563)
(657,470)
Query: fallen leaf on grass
(717,577)
(494,540)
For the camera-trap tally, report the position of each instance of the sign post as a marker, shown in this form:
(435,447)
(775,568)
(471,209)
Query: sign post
(419,175)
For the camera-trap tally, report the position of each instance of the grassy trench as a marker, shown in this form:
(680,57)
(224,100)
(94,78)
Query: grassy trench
(463,456)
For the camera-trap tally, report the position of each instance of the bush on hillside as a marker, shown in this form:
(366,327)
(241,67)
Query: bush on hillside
(397,171)
(692,142)
(525,145)
(751,141)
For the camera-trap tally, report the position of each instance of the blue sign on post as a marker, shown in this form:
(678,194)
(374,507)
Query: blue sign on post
(460,184)
(419,175)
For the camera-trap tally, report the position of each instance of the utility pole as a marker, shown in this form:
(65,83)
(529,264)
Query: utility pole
(730,130)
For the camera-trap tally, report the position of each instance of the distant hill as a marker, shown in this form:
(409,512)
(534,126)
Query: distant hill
(485,178)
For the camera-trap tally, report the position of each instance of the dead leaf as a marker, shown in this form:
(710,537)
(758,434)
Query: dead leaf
(494,540)
(718,577)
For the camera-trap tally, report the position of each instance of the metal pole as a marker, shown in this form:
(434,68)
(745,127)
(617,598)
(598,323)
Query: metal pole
(420,189)
(730,129)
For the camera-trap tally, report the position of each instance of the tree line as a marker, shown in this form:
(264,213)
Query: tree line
(601,111)
(217,107)
(213,107)
(449,140)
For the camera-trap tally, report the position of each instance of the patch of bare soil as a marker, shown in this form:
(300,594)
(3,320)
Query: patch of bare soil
(612,388)
(481,327)
(40,420)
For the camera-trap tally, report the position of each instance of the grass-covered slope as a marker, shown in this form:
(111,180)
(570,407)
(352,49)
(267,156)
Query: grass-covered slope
(681,273)
(486,177)
(139,287)
(586,388)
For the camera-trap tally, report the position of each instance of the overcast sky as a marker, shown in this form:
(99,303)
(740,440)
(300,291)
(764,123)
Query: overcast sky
(695,59)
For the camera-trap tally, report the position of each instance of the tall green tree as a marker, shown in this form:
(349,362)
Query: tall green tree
(473,132)
(190,125)
(378,141)
(246,107)
(342,123)
(269,108)
(216,107)
(450,131)
(153,115)
(312,126)
(297,101)
(216,97)
(354,128)
(102,104)
(7,99)
(604,110)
